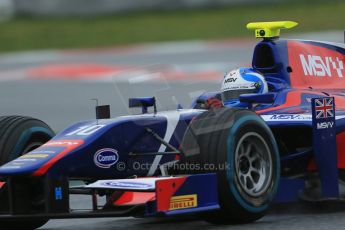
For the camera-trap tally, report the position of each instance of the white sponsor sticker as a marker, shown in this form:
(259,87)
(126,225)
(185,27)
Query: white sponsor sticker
(325,125)
(140,184)
(105,158)
(314,65)
(292,117)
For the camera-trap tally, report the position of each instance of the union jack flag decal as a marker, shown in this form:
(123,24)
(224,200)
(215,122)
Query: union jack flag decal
(324,108)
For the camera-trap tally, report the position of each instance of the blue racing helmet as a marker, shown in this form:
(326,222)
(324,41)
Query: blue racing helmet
(242,81)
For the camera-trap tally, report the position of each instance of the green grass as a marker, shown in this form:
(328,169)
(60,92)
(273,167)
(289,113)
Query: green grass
(25,33)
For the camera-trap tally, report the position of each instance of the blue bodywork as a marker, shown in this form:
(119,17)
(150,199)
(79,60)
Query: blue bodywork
(125,134)
(94,149)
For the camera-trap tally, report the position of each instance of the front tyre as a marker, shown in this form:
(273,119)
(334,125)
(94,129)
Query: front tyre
(242,148)
(20,135)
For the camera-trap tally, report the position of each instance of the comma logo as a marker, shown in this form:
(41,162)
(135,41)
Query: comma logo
(321,66)
(105,158)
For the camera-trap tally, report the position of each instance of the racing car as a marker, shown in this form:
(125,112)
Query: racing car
(228,164)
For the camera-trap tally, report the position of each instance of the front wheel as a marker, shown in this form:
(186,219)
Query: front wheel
(245,156)
(20,135)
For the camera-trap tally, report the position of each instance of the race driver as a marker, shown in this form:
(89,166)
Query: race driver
(237,82)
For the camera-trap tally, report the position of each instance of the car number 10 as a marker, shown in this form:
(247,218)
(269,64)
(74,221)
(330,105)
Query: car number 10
(85,130)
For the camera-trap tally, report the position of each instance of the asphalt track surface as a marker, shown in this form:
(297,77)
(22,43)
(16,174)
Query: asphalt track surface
(57,87)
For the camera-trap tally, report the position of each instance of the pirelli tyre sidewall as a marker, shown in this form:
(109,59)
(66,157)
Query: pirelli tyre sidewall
(247,124)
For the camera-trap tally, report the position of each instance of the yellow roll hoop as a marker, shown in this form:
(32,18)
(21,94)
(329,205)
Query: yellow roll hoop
(270,29)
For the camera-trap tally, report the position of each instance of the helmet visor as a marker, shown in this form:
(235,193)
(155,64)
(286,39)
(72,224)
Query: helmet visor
(234,94)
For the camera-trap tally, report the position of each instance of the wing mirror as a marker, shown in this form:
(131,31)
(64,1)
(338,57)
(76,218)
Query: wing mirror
(143,102)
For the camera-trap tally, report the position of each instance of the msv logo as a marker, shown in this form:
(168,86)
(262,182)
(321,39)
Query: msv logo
(286,117)
(325,125)
(321,66)
(105,158)
(230,80)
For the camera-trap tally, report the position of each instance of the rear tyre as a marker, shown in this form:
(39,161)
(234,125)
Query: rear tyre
(20,135)
(244,154)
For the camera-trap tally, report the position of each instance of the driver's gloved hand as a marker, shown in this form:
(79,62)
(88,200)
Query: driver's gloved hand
(213,103)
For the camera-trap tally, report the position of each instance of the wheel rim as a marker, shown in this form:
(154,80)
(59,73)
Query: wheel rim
(253,164)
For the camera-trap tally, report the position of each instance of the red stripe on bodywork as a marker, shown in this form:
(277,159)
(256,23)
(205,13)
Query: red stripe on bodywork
(340,154)
(293,98)
(135,198)
(165,189)
(341,150)
(69,144)
(315,66)
(2,184)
